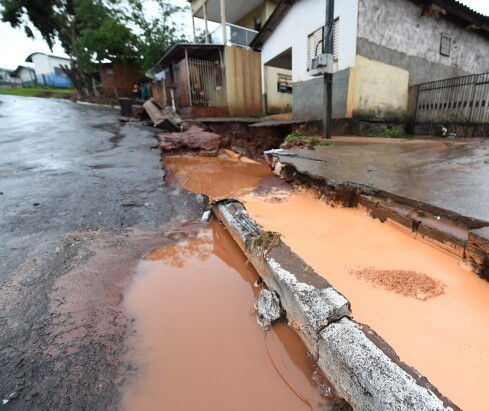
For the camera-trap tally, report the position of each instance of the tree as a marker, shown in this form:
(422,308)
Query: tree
(158,34)
(88,30)
(91,31)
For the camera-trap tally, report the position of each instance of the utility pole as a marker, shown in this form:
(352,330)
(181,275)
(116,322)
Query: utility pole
(328,77)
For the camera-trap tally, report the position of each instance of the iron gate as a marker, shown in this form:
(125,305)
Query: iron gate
(460,104)
(206,83)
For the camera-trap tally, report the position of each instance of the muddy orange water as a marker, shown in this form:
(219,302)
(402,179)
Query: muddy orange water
(198,344)
(446,337)
(216,176)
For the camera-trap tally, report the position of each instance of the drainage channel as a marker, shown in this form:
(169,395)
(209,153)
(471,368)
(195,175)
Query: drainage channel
(432,311)
(197,344)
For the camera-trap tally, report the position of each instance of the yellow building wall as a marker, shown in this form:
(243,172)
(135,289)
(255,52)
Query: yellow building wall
(377,91)
(276,102)
(243,81)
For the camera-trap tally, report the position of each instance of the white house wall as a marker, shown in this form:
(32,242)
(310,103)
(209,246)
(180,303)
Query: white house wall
(412,42)
(303,18)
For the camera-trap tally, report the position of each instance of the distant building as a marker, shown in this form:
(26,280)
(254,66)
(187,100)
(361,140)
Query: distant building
(26,76)
(7,77)
(381,49)
(48,70)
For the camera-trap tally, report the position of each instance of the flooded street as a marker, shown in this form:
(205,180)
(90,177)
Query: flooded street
(198,345)
(438,323)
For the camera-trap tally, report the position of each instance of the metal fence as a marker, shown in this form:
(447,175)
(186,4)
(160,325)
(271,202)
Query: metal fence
(206,83)
(461,105)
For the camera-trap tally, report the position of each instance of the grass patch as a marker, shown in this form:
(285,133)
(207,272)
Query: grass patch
(392,132)
(37,92)
(265,242)
(297,139)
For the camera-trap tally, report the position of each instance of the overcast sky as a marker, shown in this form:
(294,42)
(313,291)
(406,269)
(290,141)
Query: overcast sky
(15,46)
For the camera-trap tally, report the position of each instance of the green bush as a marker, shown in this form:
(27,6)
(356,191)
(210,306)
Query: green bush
(392,132)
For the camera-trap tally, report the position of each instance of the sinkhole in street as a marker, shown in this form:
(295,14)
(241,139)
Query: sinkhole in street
(420,299)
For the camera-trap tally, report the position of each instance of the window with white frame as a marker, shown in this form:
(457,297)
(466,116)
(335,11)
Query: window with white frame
(315,42)
(445,45)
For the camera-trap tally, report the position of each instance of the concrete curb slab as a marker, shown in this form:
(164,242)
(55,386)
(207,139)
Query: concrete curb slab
(368,373)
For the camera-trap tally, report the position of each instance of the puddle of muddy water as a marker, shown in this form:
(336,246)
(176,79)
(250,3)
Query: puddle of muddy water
(216,176)
(198,346)
(445,337)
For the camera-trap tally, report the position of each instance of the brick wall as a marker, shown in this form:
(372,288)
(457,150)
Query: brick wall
(118,78)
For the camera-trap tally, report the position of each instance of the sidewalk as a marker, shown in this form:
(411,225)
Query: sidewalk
(452,174)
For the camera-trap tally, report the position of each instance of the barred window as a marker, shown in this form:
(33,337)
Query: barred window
(445,45)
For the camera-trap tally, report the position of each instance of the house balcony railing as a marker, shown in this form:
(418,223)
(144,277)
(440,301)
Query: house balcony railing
(236,35)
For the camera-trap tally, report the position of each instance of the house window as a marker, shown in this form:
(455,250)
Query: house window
(257,21)
(315,42)
(445,45)
(109,71)
(284,83)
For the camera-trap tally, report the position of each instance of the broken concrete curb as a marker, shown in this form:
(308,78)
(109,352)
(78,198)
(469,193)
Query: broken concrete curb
(309,300)
(362,367)
(368,373)
(268,308)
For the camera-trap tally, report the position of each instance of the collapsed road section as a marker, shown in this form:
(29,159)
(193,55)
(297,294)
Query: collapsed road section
(464,236)
(363,368)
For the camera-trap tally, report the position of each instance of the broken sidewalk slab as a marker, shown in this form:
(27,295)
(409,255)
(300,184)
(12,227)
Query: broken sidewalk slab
(162,117)
(366,371)
(311,303)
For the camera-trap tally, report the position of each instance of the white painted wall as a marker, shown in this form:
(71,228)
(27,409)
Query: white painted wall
(45,64)
(302,19)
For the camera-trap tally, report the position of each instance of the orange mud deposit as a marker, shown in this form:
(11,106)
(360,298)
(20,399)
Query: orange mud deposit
(198,345)
(445,337)
(404,282)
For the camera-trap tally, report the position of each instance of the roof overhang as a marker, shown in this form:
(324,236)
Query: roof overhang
(29,57)
(235,10)
(177,52)
(271,24)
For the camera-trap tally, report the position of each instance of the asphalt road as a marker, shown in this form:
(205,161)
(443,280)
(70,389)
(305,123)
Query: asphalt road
(82,199)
